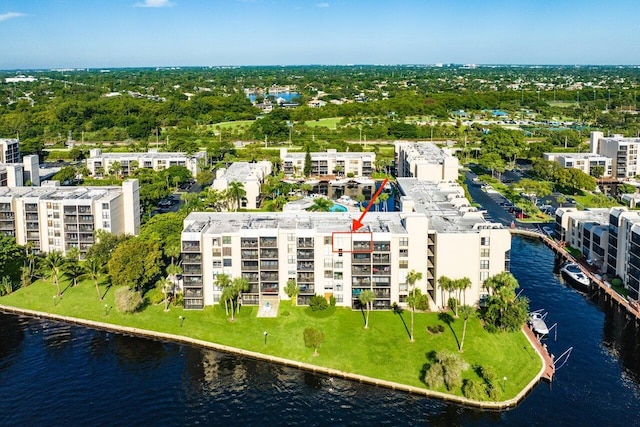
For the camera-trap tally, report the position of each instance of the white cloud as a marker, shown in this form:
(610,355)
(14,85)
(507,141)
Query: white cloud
(323,4)
(154,3)
(9,15)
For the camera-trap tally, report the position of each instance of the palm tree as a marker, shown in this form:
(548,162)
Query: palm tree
(292,290)
(239,285)
(412,278)
(53,264)
(466,312)
(320,204)
(73,269)
(462,285)
(93,269)
(367,297)
(383,199)
(223,282)
(236,192)
(306,188)
(115,169)
(360,198)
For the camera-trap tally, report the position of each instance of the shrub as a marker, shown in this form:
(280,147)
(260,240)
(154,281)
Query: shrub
(616,281)
(318,303)
(434,377)
(436,329)
(127,300)
(422,302)
(332,301)
(155,296)
(313,338)
(473,390)
(285,313)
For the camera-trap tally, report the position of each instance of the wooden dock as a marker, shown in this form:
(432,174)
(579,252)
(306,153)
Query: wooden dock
(550,368)
(596,284)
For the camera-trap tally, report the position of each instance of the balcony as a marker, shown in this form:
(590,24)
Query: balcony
(305,266)
(361,246)
(268,242)
(249,243)
(380,258)
(31,217)
(192,269)
(381,246)
(84,219)
(269,277)
(253,289)
(193,303)
(361,259)
(382,293)
(190,246)
(305,254)
(268,254)
(269,288)
(249,266)
(359,282)
(249,254)
(33,226)
(70,209)
(192,292)
(251,277)
(268,265)
(307,289)
(192,281)
(357,269)
(384,270)
(7,215)
(305,278)
(191,258)
(305,242)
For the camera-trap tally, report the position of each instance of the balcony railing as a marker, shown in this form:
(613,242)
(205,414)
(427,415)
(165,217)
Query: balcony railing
(249,254)
(361,246)
(269,277)
(269,288)
(268,253)
(250,266)
(305,242)
(268,242)
(307,289)
(190,246)
(191,258)
(383,270)
(360,269)
(305,278)
(249,243)
(268,265)
(305,266)
(378,258)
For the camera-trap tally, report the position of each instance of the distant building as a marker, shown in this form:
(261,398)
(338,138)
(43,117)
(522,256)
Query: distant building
(100,164)
(586,162)
(9,151)
(250,175)
(425,161)
(60,218)
(622,151)
(19,174)
(330,162)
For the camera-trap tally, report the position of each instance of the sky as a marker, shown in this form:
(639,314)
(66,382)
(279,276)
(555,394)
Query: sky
(157,33)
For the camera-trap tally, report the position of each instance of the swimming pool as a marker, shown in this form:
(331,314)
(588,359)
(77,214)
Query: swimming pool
(337,208)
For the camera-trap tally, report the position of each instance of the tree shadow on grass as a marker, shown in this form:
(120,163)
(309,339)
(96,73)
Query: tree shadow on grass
(106,291)
(431,359)
(399,310)
(448,319)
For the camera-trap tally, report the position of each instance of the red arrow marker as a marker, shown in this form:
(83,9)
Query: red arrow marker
(357,223)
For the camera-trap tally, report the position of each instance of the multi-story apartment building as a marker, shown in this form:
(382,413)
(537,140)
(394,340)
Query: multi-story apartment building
(101,164)
(331,162)
(586,162)
(425,161)
(9,151)
(610,238)
(17,174)
(622,151)
(437,233)
(60,218)
(250,175)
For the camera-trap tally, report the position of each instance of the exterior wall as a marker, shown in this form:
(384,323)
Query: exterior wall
(251,178)
(583,162)
(9,151)
(32,169)
(623,152)
(425,161)
(100,163)
(50,220)
(359,164)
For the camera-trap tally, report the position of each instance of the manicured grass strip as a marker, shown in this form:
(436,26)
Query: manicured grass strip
(383,351)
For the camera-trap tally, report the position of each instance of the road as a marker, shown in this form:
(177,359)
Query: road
(490,203)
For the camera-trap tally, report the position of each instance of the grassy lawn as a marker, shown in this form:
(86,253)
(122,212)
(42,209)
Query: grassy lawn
(230,125)
(383,351)
(330,122)
(591,201)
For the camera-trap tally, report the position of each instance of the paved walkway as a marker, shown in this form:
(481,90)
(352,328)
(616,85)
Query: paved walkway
(269,309)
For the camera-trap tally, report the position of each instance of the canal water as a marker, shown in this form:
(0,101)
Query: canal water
(55,374)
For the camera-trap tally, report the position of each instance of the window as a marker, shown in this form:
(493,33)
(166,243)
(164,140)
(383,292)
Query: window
(291,249)
(404,263)
(226,240)
(337,264)
(404,241)
(484,252)
(216,242)
(484,264)
(226,251)
(337,275)
(226,262)
(328,263)
(484,275)
(404,253)
(328,274)
(484,241)
(327,240)
(106,224)
(291,237)
(291,259)
(217,264)
(105,206)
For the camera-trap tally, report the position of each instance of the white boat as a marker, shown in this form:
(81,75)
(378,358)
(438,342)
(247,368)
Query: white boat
(536,321)
(573,274)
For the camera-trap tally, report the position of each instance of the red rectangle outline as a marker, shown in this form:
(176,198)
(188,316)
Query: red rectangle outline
(333,249)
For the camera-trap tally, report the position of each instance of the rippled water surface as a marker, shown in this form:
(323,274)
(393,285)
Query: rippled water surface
(55,374)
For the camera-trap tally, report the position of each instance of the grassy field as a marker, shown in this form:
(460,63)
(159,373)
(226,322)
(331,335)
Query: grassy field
(231,125)
(383,351)
(330,122)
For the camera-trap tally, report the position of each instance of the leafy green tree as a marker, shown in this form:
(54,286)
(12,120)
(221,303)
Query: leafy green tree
(204,177)
(135,263)
(236,192)
(313,338)
(12,257)
(367,297)
(105,244)
(597,171)
(461,285)
(318,303)
(505,311)
(166,230)
(535,187)
(54,268)
(308,167)
(292,290)
(412,277)
(66,174)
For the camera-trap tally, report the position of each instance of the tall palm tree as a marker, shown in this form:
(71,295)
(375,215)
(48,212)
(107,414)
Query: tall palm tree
(412,278)
(367,297)
(383,200)
(223,281)
(320,204)
(462,285)
(236,192)
(53,264)
(73,269)
(466,312)
(93,269)
(240,285)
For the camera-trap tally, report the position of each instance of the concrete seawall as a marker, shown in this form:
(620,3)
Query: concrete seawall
(126,330)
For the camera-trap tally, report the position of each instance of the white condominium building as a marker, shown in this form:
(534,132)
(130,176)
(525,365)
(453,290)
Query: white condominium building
(437,234)
(59,218)
(19,174)
(9,151)
(101,164)
(250,175)
(622,151)
(330,162)
(425,161)
(586,162)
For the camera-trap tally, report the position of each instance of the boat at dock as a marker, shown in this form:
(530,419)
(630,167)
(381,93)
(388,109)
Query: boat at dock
(573,274)
(537,323)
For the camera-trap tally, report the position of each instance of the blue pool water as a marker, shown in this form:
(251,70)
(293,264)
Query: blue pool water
(337,208)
